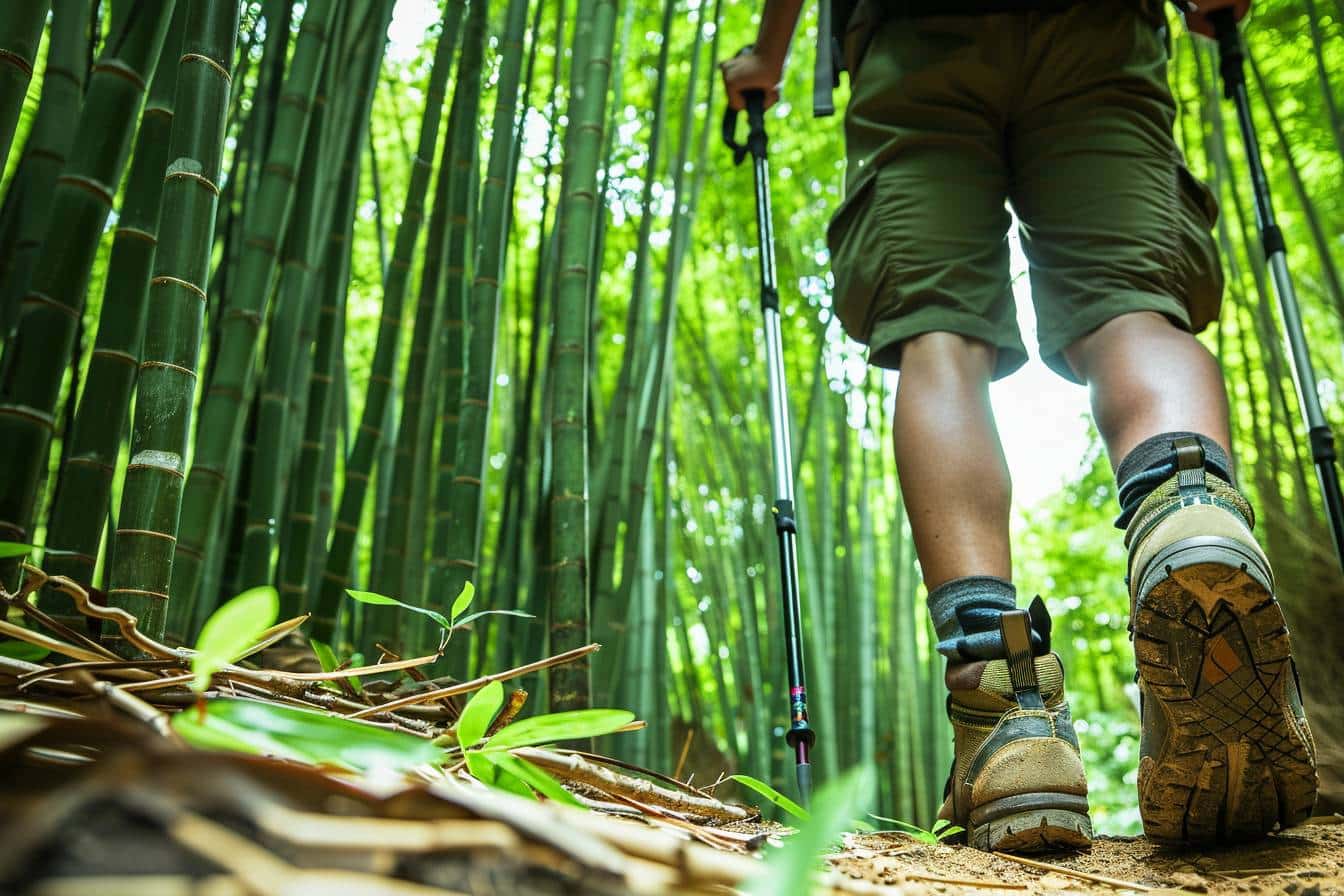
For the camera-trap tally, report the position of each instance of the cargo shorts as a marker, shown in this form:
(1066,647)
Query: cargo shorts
(1068,117)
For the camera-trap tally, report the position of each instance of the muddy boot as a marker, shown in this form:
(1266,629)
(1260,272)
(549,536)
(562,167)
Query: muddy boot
(1017,782)
(1226,753)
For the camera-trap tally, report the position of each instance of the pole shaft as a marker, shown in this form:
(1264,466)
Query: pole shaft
(1271,237)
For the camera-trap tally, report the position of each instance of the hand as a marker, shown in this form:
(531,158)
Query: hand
(749,71)
(1197,13)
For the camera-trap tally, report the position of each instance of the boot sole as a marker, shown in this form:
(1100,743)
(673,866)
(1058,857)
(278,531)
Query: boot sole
(1031,823)
(1213,652)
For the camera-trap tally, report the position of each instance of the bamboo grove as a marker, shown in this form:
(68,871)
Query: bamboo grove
(285,301)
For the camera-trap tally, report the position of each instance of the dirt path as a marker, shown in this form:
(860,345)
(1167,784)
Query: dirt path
(1306,861)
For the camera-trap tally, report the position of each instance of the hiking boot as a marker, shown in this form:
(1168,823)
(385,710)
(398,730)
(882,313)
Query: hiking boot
(1017,780)
(1226,754)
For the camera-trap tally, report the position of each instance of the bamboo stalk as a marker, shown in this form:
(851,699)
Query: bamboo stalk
(151,497)
(19,38)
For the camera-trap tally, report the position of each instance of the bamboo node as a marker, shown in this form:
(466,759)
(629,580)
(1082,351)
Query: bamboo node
(466,480)
(136,233)
(19,62)
(166,280)
(88,185)
(46,301)
(18,410)
(121,70)
(187,372)
(197,57)
(189,169)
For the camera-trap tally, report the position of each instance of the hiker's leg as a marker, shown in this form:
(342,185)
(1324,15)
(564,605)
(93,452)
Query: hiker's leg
(953,474)
(1149,377)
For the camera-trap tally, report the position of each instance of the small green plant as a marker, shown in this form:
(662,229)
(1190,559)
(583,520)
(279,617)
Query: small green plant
(789,870)
(489,759)
(450,623)
(231,631)
(326,658)
(941,829)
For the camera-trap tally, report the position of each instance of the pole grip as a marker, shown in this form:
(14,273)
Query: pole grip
(755,144)
(1230,53)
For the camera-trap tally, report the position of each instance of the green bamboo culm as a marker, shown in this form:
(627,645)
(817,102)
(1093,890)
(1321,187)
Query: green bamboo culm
(45,153)
(49,315)
(79,508)
(336,574)
(440,278)
(223,410)
(460,531)
(568,585)
(152,495)
(20,33)
(301,523)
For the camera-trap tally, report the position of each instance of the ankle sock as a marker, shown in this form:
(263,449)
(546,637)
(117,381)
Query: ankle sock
(966,615)
(1153,462)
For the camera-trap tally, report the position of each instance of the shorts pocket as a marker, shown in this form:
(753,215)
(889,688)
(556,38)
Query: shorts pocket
(853,237)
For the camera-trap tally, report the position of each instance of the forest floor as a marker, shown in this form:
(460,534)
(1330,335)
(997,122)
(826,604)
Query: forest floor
(1304,861)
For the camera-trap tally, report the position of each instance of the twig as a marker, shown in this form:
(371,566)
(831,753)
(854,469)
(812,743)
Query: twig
(478,683)
(576,769)
(685,751)
(125,622)
(509,712)
(631,767)
(128,703)
(37,639)
(1081,875)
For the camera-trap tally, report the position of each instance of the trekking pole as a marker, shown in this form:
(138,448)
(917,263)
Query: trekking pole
(1232,66)
(800,735)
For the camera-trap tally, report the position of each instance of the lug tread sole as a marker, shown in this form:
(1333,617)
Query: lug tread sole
(1034,831)
(1213,651)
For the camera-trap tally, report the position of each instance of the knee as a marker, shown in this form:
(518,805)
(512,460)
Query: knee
(1122,340)
(947,357)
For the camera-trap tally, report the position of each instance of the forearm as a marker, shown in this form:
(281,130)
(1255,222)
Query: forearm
(778,21)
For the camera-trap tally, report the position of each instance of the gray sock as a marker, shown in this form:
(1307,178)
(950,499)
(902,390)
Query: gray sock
(1153,461)
(975,602)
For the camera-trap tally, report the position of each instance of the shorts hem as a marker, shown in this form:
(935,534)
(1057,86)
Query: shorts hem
(1100,310)
(884,344)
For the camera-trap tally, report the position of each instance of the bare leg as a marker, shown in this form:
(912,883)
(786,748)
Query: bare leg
(1149,377)
(953,474)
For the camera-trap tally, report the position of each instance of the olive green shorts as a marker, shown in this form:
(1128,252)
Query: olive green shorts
(1066,116)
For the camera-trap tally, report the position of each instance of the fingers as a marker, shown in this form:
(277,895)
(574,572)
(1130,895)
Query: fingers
(1198,11)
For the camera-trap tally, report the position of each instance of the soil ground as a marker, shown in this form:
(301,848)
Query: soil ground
(1304,861)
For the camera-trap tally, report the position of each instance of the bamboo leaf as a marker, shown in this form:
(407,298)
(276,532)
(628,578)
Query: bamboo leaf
(247,726)
(478,713)
(459,623)
(772,795)
(368,597)
(326,658)
(533,777)
(10,549)
(573,725)
(463,601)
(231,630)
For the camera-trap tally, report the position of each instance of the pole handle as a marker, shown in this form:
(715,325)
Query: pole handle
(755,108)
(1230,52)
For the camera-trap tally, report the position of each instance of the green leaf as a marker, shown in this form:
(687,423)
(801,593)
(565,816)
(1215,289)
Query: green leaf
(463,601)
(533,777)
(788,871)
(22,650)
(247,726)
(368,597)
(914,830)
(481,769)
(478,713)
(573,725)
(458,623)
(231,630)
(326,657)
(772,795)
(10,549)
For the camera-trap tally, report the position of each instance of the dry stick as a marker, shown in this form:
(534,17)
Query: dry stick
(97,666)
(631,767)
(37,639)
(130,704)
(1081,875)
(576,769)
(508,713)
(478,683)
(685,751)
(60,629)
